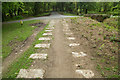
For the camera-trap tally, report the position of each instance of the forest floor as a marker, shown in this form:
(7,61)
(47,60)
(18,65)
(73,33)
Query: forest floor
(79,48)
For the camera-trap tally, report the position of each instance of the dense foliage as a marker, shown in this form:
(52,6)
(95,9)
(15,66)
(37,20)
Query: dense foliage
(17,10)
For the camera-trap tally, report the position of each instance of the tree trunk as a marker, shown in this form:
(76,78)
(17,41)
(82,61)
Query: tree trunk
(19,11)
(44,7)
(10,12)
(85,11)
(105,7)
(62,6)
(3,16)
(48,6)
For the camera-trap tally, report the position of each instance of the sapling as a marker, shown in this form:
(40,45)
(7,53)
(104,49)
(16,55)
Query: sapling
(21,22)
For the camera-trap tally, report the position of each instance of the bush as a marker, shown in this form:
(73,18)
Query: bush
(18,17)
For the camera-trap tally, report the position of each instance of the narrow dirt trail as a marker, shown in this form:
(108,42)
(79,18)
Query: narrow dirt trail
(62,62)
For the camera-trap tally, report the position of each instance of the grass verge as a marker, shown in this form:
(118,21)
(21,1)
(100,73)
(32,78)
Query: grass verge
(23,62)
(13,34)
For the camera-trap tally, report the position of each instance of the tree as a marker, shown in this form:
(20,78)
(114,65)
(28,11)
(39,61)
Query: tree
(14,9)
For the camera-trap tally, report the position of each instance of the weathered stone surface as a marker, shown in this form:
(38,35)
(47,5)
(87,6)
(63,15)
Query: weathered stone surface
(44,38)
(47,34)
(86,73)
(42,45)
(33,26)
(74,44)
(38,56)
(81,54)
(71,38)
(31,73)
(50,28)
(68,33)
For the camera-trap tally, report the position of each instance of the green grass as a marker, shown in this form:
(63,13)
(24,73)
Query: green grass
(16,33)
(114,76)
(74,20)
(106,26)
(24,61)
(98,67)
(112,22)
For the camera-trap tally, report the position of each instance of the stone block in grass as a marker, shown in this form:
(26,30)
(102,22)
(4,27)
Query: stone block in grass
(38,56)
(47,34)
(44,38)
(42,45)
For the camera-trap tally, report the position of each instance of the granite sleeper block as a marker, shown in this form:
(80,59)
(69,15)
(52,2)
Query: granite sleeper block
(31,73)
(85,73)
(47,34)
(73,44)
(38,56)
(71,38)
(81,54)
(42,45)
(44,38)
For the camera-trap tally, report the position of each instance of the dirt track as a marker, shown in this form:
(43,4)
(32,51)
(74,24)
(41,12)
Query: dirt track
(60,62)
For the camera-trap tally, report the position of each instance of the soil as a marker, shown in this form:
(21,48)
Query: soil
(59,62)
(91,40)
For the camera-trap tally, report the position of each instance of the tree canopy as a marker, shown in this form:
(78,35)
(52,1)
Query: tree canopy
(23,9)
